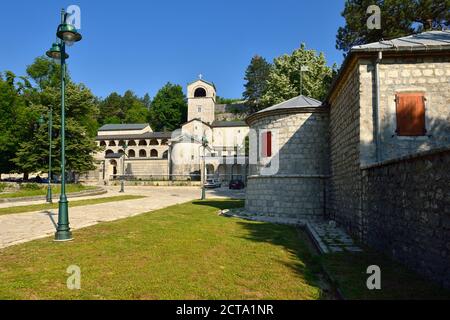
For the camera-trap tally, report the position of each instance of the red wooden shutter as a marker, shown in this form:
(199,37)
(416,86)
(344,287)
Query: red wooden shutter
(266,148)
(410,114)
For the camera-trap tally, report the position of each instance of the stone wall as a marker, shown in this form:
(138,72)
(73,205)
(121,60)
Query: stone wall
(285,197)
(344,189)
(407,212)
(430,75)
(300,147)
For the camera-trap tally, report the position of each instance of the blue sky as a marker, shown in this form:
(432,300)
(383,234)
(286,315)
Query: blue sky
(141,45)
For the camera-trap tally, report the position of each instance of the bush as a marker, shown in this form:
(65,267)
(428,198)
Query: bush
(2,187)
(30,186)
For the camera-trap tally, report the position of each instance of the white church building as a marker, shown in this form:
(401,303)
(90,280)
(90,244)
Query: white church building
(139,153)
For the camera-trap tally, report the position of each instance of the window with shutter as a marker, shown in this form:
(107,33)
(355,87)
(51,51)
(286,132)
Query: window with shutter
(410,114)
(266,148)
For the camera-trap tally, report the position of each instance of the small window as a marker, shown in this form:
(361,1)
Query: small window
(410,112)
(199,109)
(266,147)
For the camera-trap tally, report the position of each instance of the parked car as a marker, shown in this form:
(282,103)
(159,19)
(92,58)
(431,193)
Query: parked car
(212,183)
(236,184)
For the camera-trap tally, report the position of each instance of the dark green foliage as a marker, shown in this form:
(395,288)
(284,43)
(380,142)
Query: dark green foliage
(257,76)
(398,18)
(169,108)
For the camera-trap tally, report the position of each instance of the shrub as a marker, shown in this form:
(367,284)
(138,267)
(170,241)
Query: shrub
(2,187)
(30,186)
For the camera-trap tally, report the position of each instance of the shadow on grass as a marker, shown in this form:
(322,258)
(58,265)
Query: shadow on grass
(291,239)
(220,204)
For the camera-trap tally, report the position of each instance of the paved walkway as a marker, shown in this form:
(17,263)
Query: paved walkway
(23,227)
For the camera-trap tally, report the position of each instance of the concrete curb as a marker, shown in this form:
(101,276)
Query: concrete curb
(87,193)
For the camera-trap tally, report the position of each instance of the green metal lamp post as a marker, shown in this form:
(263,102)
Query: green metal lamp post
(204,145)
(67,34)
(122,182)
(50,124)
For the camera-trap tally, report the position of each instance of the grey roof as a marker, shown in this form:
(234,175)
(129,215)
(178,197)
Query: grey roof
(297,102)
(207,82)
(430,40)
(223,124)
(125,126)
(147,135)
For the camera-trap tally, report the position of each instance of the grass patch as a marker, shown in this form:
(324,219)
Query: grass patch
(75,203)
(30,190)
(397,283)
(181,252)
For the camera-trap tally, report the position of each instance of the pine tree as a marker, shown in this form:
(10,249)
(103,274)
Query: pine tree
(256,75)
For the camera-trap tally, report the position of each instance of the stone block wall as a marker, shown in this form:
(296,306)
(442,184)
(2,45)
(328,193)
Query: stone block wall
(344,189)
(430,75)
(296,190)
(285,197)
(407,212)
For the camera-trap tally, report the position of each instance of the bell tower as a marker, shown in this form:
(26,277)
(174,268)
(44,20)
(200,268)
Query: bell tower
(201,96)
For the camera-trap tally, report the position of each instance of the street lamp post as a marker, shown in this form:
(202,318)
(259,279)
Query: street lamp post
(122,182)
(49,185)
(204,145)
(67,34)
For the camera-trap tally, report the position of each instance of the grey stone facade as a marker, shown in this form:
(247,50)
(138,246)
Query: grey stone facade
(406,205)
(300,142)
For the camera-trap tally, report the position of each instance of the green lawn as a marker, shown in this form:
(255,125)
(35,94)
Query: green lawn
(181,252)
(75,203)
(42,191)
(397,283)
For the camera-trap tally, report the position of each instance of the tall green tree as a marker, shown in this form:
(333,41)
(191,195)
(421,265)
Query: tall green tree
(257,76)
(284,78)
(169,108)
(16,121)
(81,124)
(398,18)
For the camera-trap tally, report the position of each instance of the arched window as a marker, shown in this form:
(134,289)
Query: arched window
(165,154)
(102,144)
(154,142)
(165,142)
(142,154)
(122,143)
(121,151)
(154,153)
(131,143)
(199,93)
(131,154)
(142,142)
(108,152)
(112,143)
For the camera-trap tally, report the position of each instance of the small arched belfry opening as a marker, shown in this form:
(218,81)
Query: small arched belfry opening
(131,154)
(200,93)
(142,154)
(153,153)
(154,142)
(102,143)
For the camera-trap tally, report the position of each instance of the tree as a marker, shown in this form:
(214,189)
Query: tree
(284,77)
(169,108)
(124,109)
(398,18)
(256,75)
(15,121)
(31,154)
